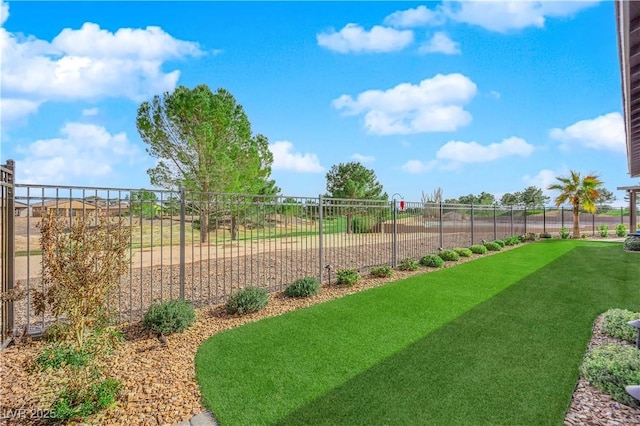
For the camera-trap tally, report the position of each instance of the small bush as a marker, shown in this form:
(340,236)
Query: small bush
(614,324)
(512,241)
(492,246)
(463,251)
(621,230)
(478,249)
(531,236)
(632,244)
(360,224)
(432,261)
(382,271)
(546,235)
(303,287)
(564,233)
(603,230)
(247,300)
(501,243)
(58,356)
(408,264)
(449,255)
(72,404)
(56,332)
(347,277)
(611,367)
(170,316)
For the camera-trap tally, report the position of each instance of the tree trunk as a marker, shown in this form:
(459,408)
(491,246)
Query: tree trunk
(234,227)
(349,223)
(204,225)
(576,222)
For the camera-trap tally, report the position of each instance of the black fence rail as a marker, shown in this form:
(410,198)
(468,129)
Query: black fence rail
(204,247)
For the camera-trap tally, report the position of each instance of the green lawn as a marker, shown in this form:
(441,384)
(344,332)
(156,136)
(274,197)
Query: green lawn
(493,341)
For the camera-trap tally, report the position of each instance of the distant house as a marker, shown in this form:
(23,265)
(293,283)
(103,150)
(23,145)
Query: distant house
(65,208)
(21,209)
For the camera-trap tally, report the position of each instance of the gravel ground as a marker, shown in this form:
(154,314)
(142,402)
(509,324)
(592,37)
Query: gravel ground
(159,386)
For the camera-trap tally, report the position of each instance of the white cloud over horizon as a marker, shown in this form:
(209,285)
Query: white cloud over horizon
(285,158)
(434,105)
(416,17)
(88,63)
(605,132)
(83,151)
(440,43)
(363,158)
(417,166)
(354,38)
(473,152)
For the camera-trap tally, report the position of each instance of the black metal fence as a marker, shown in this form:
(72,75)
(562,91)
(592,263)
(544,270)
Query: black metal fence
(204,247)
(7,256)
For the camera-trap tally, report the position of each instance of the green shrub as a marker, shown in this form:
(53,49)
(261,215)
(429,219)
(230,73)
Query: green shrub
(449,255)
(492,246)
(478,249)
(382,271)
(611,367)
(303,287)
(603,230)
(72,404)
(614,324)
(621,230)
(432,261)
(632,244)
(546,235)
(564,233)
(169,316)
(512,241)
(56,332)
(501,243)
(60,355)
(463,251)
(360,224)
(247,300)
(347,277)
(408,264)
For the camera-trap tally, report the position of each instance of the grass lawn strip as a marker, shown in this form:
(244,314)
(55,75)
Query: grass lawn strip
(266,371)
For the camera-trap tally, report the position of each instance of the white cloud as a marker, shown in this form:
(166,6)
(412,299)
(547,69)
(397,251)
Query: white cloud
(84,151)
(284,158)
(503,16)
(417,17)
(89,63)
(605,132)
(14,110)
(440,43)
(473,152)
(417,166)
(363,158)
(354,38)
(4,12)
(90,112)
(433,105)
(543,179)
(495,94)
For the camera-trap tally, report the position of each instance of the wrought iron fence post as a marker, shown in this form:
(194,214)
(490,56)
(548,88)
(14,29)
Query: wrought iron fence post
(472,225)
(182,239)
(524,212)
(394,252)
(511,227)
(320,253)
(593,224)
(441,214)
(562,217)
(622,217)
(495,225)
(8,249)
(544,219)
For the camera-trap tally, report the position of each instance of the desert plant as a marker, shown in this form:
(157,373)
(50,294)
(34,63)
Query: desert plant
(170,316)
(631,244)
(59,355)
(564,233)
(614,324)
(347,277)
(546,235)
(478,249)
(432,261)
(603,230)
(382,271)
(247,300)
(74,403)
(408,264)
(501,243)
(492,246)
(611,367)
(512,241)
(449,255)
(303,287)
(463,251)
(621,230)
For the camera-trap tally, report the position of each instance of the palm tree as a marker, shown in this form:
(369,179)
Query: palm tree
(579,192)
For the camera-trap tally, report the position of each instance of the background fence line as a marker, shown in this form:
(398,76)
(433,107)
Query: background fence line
(204,247)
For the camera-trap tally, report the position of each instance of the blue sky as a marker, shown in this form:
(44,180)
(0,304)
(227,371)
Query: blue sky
(466,96)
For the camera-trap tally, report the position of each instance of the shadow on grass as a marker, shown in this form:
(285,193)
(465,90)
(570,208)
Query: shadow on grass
(512,360)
